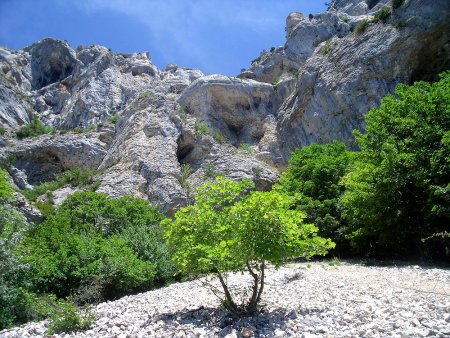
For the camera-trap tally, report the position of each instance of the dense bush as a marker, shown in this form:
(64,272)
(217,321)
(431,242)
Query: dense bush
(98,241)
(397,199)
(66,317)
(361,26)
(228,230)
(13,297)
(6,192)
(314,172)
(34,128)
(382,15)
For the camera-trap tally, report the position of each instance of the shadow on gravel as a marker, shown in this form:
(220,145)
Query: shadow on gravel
(221,321)
(399,264)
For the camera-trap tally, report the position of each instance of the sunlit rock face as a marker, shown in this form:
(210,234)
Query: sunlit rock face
(315,88)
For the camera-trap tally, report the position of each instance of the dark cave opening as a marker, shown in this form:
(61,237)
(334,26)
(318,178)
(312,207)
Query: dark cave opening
(185,146)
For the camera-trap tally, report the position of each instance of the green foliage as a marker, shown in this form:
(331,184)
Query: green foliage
(145,95)
(13,301)
(210,170)
(396,3)
(361,26)
(201,128)
(230,230)
(34,128)
(246,147)
(114,118)
(24,97)
(186,171)
(382,15)
(6,191)
(2,130)
(45,207)
(399,190)
(294,72)
(66,317)
(96,240)
(75,177)
(314,172)
(182,114)
(327,47)
(345,18)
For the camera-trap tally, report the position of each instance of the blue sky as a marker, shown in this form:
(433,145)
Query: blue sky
(217,36)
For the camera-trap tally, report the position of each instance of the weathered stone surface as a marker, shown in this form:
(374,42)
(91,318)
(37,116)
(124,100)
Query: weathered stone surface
(358,7)
(37,160)
(234,107)
(315,88)
(51,61)
(336,89)
(307,34)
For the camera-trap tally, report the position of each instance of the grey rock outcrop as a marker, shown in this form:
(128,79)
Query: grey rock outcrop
(315,88)
(51,61)
(37,160)
(358,7)
(337,85)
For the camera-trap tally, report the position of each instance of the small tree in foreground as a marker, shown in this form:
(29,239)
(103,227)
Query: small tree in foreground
(229,229)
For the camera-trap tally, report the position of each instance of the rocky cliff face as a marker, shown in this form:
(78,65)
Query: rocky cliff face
(315,88)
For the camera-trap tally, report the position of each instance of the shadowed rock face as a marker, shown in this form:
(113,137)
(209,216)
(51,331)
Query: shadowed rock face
(315,88)
(51,61)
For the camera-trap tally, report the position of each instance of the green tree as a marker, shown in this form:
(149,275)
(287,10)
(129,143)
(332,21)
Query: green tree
(6,191)
(314,172)
(13,298)
(397,198)
(96,240)
(229,229)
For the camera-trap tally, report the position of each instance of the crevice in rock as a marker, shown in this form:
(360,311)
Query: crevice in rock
(372,3)
(40,168)
(433,59)
(185,144)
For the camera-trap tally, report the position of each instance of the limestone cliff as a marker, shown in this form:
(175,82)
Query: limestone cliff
(316,88)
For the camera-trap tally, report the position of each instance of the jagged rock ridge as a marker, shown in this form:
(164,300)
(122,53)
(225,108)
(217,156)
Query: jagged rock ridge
(315,88)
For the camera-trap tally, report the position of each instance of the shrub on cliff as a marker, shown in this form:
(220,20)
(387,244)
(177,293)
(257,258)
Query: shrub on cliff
(34,128)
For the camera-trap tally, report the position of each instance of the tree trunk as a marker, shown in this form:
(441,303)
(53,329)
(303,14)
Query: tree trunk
(229,303)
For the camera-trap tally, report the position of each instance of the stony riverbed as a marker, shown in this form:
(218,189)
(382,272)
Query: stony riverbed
(300,300)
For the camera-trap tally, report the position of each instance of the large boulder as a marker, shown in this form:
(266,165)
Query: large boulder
(51,61)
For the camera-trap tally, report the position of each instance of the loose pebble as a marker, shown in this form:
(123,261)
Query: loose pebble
(350,300)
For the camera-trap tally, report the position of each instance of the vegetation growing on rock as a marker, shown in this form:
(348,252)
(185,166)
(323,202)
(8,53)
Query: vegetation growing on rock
(34,128)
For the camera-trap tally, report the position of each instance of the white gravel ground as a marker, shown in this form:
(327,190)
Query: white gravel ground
(300,300)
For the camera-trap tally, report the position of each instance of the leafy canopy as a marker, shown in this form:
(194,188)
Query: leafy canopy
(116,244)
(230,229)
(314,172)
(6,191)
(398,195)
